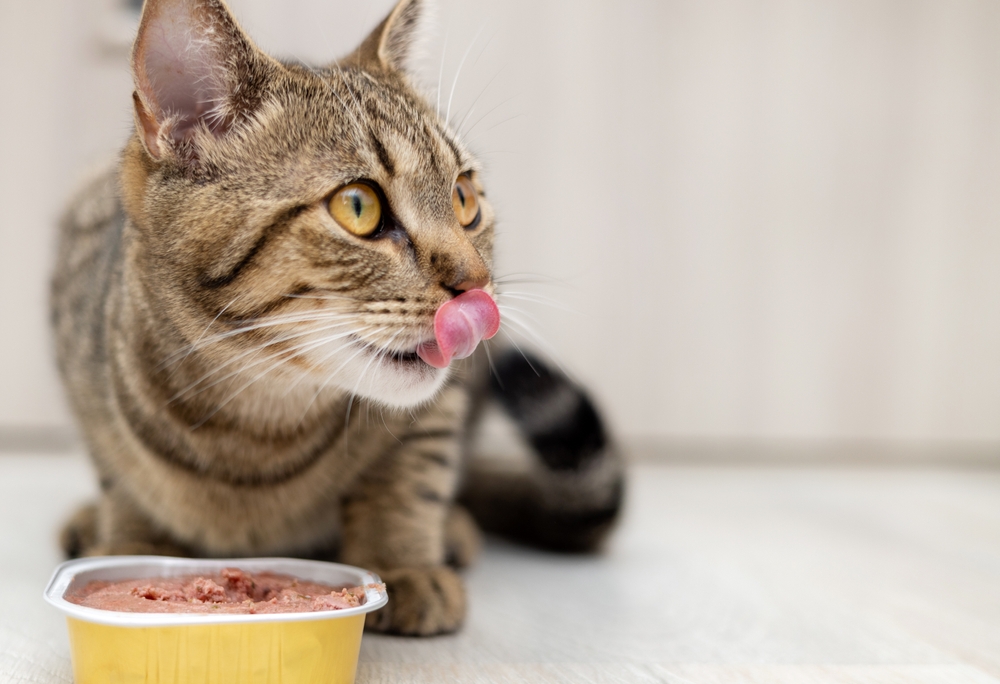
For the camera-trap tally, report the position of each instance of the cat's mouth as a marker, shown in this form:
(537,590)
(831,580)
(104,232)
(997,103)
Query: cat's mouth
(460,324)
(407,358)
(403,359)
(392,376)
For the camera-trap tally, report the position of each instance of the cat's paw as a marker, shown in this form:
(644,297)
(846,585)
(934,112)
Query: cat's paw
(462,539)
(422,602)
(138,548)
(79,535)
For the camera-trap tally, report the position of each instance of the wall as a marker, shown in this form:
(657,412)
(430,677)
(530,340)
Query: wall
(756,219)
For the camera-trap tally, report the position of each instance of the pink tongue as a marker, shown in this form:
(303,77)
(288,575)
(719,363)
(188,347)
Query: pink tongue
(459,326)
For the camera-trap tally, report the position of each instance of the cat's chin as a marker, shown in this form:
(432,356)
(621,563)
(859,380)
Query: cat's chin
(405,384)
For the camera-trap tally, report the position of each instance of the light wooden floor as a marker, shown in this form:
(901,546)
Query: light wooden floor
(718,575)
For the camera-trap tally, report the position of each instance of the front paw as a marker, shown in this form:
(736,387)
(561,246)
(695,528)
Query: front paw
(422,602)
(138,549)
(79,535)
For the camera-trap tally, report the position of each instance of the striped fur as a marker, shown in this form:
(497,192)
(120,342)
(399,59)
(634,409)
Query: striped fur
(243,369)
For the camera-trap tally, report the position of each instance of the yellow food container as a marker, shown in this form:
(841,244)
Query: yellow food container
(186,648)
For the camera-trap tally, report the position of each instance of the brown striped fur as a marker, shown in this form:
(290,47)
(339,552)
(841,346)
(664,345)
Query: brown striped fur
(242,368)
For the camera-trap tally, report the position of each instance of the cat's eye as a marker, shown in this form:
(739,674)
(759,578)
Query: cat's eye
(465,200)
(356,207)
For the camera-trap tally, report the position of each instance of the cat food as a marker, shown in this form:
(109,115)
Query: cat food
(229,591)
(129,631)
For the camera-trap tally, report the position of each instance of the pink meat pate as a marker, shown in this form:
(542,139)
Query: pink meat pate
(231,591)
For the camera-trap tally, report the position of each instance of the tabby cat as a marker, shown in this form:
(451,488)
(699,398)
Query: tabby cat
(260,318)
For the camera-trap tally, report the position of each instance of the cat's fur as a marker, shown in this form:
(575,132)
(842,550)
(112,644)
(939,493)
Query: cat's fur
(242,368)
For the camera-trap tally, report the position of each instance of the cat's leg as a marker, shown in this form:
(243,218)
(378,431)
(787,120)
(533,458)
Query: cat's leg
(395,520)
(115,526)
(462,538)
(79,534)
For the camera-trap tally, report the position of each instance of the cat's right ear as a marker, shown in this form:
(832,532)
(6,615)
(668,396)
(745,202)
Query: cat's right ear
(195,73)
(391,44)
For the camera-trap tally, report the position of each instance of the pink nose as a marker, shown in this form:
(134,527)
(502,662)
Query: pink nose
(459,326)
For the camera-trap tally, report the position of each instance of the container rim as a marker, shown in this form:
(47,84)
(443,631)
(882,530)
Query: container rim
(64,574)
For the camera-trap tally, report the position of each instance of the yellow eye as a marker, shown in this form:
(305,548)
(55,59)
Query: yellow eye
(357,209)
(466,202)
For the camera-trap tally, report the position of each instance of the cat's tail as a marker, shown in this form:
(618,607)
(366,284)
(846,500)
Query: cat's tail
(570,494)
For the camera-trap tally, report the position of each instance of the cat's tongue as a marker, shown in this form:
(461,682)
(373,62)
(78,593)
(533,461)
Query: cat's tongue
(459,326)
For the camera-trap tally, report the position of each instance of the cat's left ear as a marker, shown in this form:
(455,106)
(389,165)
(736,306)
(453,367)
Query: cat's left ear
(391,44)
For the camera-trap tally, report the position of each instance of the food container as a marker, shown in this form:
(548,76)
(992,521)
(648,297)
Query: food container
(156,648)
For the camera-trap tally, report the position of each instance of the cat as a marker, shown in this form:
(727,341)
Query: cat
(255,316)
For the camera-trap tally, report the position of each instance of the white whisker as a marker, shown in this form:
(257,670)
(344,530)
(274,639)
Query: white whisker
(271,323)
(319,316)
(502,122)
(167,361)
(536,299)
(472,108)
(326,382)
(253,380)
(458,73)
(444,51)
(378,356)
(490,111)
(506,309)
(489,360)
(343,79)
(298,350)
(538,339)
(511,339)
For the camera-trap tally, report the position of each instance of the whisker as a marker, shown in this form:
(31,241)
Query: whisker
(270,323)
(506,309)
(381,414)
(326,297)
(298,349)
(539,340)
(519,278)
(356,333)
(250,323)
(520,351)
(536,299)
(253,380)
(163,364)
(382,353)
(489,360)
(343,79)
(502,122)
(187,349)
(350,90)
(476,101)
(444,51)
(458,73)
(327,382)
(493,109)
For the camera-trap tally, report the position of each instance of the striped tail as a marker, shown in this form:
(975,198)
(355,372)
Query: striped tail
(569,497)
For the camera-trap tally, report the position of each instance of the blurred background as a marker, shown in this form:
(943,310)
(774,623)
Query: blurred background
(744,224)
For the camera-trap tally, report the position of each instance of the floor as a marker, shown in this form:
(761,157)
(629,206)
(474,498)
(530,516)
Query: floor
(718,574)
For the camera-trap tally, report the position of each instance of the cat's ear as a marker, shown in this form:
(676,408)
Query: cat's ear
(391,44)
(194,69)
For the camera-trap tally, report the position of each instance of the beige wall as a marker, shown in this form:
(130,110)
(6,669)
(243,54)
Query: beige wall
(770,218)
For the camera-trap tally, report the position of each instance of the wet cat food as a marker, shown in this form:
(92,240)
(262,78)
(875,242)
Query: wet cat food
(230,591)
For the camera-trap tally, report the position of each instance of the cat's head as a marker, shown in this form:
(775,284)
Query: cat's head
(322,216)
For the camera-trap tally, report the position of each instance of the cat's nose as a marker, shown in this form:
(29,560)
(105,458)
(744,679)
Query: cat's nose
(476,283)
(465,279)
(457,288)
(460,273)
